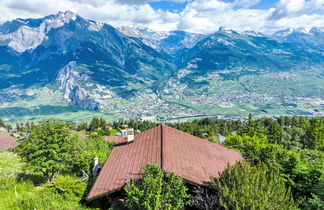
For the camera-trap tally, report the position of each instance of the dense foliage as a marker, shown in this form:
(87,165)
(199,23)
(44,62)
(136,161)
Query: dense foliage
(293,146)
(244,187)
(286,152)
(50,149)
(21,190)
(156,190)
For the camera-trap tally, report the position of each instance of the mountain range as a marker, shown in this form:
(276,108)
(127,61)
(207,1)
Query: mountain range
(94,65)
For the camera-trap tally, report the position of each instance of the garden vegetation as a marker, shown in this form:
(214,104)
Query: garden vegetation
(283,167)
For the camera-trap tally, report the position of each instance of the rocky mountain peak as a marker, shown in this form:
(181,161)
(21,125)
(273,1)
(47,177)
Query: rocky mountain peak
(252,33)
(289,31)
(26,34)
(223,29)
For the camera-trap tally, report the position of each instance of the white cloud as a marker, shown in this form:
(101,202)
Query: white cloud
(208,15)
(209,18)
(292,8)
(198,16)
(137,2)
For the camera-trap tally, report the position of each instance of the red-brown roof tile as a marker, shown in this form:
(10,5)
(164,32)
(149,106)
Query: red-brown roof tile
(82,135)
(7,141)
(116,139)
(192,158)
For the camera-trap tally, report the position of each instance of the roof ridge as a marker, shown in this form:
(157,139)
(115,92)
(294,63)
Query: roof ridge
(209,142)
(161,146)
(190,157)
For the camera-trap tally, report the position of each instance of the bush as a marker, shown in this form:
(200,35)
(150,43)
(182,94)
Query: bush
(92,146)
(23,195)
(244,187)
(68,187)
(156,191)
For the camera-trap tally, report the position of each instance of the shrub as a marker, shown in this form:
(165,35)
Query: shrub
(156,191)
(244,187)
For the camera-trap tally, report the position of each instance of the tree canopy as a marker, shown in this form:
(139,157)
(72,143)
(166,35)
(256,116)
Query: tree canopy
(156,190)
(252,187)
(50,148)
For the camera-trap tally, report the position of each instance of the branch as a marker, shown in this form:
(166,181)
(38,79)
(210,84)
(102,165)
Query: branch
(86,177)
(16,194)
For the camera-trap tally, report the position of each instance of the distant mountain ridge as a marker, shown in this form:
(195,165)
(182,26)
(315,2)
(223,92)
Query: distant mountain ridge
(99,51)
(91,62)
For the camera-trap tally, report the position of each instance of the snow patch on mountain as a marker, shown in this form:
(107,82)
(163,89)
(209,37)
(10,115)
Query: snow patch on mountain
(95,26)
(289,31)
(253,33)
(226,30)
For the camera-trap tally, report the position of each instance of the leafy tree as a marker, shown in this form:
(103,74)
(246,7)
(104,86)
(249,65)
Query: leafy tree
(293,138)
(315,134)
(50,149)
(317,200)
(2,124)
(156,191)
(8,127)
(252,128)
(274,133)
(303,170)
(249,146)
(92,146)
(94,124)
(82,126)
(244,187)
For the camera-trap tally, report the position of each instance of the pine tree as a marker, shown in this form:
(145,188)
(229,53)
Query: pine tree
(244,187)
(315,134)
(275,133)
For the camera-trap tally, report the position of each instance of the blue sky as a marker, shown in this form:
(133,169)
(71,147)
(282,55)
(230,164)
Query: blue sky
(201,16)
(168,5)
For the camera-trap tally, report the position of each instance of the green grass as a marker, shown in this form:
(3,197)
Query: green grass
(113,131)
(49,104)
(10,164)
(18,190)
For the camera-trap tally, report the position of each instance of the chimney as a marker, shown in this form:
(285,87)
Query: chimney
(95,161)
(96,167)
(130,135)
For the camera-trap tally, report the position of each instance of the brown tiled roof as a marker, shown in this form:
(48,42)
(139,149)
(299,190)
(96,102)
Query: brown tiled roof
(192,158)
(82,135)
(115,139)
(7,141)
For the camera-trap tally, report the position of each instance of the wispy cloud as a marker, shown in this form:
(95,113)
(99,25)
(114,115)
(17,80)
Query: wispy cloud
(293,8)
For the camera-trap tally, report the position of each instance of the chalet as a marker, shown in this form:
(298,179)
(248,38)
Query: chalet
(192,158)
(7,141)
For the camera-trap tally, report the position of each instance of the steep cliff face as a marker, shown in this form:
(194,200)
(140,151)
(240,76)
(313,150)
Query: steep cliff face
(68,79)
